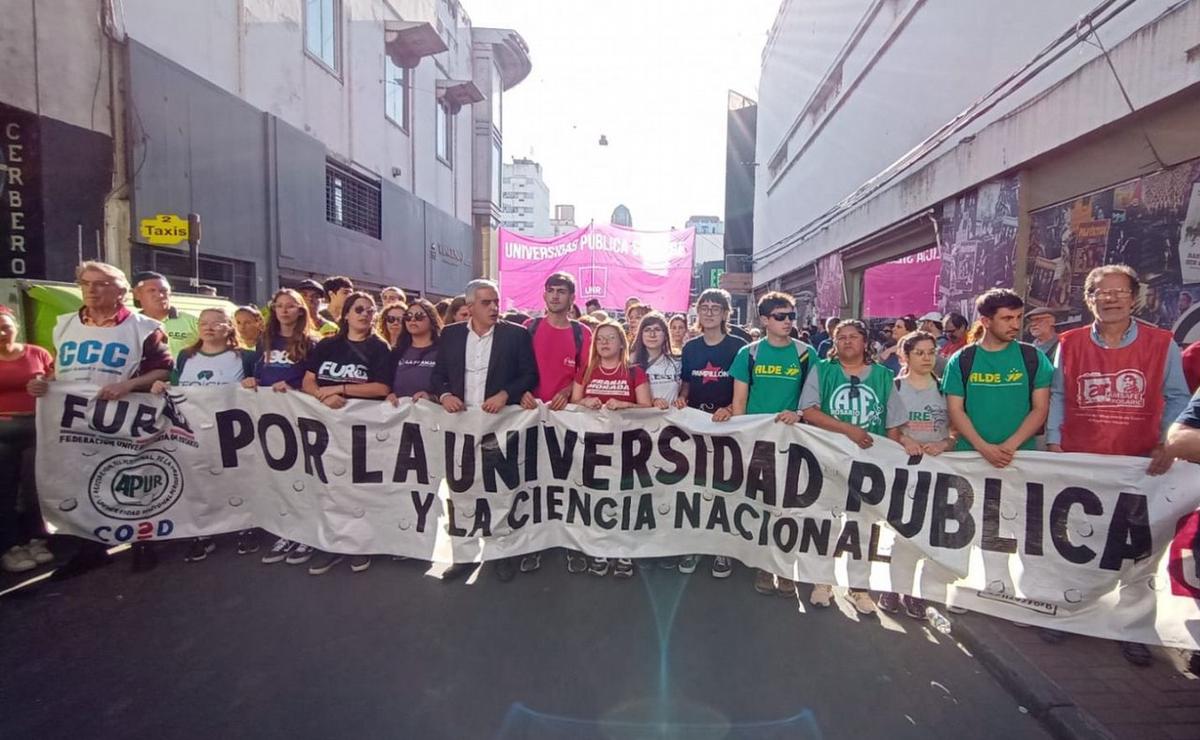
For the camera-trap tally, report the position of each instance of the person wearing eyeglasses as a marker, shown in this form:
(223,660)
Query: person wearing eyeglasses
(1117,386)
(134,353)
(215,358)
(354,363)
(851,394)
(484,363)
(415,352)
(390,323)
(768,375)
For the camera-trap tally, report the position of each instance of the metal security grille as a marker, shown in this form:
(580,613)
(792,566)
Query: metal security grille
(233,279)
(351,202)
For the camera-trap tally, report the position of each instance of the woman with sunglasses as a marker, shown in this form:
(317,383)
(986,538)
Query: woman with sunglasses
(354,363)
(415,352)
(213,359)
(610,382)
(390,323)
(851,394)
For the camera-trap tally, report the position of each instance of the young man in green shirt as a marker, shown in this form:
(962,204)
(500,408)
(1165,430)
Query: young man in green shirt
(768,375)
(998,389)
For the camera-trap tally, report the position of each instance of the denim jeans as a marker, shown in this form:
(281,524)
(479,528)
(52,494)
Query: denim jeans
(20,517)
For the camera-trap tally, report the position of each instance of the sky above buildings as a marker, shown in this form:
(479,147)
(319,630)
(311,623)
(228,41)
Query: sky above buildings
(652,76)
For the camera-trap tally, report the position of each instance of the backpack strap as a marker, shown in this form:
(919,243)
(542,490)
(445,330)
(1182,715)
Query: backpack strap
(577,332)
(802,360)
(753,352)
(533,326)
(965,361)
(1029,354)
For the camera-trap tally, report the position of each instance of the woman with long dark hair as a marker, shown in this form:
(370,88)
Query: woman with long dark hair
(415,352)
(851,394)
(354,363)
(889,356)
(652,352)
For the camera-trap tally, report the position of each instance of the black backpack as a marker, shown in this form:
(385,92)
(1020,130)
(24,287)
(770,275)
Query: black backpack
(576,331)
(1029,354)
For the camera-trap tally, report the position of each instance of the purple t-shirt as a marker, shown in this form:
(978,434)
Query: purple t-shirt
(414,367)
(273,365)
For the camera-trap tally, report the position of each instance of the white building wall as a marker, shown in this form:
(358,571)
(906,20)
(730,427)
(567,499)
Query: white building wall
(525,199)
(51,55)
(255,49)
(913,68)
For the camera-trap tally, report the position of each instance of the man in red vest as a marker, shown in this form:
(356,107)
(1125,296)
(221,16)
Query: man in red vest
(1117,386)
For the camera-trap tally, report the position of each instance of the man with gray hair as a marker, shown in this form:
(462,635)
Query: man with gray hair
(484,363)
(1118,384)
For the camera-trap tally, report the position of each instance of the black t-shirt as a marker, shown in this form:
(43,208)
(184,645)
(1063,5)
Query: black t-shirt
(706,371)
(337,360)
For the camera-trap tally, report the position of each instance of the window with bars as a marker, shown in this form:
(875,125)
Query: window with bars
(351,201)
(233,279)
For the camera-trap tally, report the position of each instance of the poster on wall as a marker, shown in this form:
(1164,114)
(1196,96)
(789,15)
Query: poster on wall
(830,285)
(1150,223)
(978,243)
(902,286)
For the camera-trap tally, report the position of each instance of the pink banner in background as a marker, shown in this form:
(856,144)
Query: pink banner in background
(903,286)
(609,263)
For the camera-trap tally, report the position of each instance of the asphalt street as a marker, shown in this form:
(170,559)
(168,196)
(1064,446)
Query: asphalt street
(234,648)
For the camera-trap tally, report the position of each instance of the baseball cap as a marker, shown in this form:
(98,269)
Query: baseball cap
(311,284)
(931,316)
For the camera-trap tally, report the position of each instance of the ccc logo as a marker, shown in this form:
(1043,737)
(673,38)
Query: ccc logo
(92,352)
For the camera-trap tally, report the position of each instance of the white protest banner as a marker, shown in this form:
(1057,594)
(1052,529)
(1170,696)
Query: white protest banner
(1082,543)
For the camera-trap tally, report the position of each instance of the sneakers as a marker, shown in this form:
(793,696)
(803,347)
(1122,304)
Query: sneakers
(956,610)
(279,551)
(247,542)
(299,555)
(670,563)
(862,601)
(531,562)
(764,583)
(890,603)
(17,560)
(598,567)
(913,607)
(576,562)
(199,549)
(39,552)
(624,568)
(688,563)
(324,564)
(359,563)
(822,595)
(1136,653)
(722,567)
(784,586)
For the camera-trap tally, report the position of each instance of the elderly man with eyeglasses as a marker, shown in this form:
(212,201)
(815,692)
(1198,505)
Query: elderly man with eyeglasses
(1118,384)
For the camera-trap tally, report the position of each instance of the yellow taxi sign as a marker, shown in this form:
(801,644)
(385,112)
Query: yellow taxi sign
(164,229)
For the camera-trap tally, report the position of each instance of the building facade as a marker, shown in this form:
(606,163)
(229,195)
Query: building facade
(525,199)
(564,220)
(886,130)
(312,137)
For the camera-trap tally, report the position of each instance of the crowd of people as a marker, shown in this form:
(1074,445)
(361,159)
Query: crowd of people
(930,384)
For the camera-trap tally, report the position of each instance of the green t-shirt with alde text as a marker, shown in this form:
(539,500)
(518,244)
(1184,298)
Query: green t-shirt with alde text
(997,396)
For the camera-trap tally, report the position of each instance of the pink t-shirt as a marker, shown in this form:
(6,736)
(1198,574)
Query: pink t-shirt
(606,384)
(554,350)
(15,374)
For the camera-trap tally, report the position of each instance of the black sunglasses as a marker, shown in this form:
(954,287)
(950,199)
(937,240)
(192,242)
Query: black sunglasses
(855,381)
(789,316)
(393,318)
(361,309)
(421,316)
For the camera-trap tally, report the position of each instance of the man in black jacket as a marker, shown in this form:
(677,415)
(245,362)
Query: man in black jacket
(487,363)
(483,361)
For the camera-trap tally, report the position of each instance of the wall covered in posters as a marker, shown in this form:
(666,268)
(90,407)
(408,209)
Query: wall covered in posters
(978,235)
(1150,223)
(830,285)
